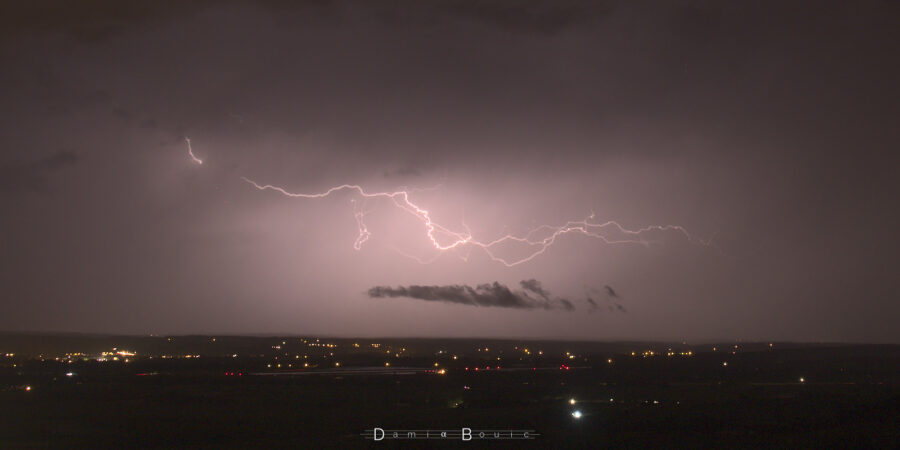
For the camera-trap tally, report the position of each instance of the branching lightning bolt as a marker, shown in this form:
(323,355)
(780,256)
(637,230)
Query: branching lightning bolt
(400,198)
(443,239)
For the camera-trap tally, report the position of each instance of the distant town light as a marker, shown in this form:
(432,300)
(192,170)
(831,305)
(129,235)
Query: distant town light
(571,401)
(576,414)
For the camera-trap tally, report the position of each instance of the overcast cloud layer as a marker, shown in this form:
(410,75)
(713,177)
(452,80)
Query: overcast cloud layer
(769,126)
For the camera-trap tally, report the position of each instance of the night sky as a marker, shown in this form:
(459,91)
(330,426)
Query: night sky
(767,130)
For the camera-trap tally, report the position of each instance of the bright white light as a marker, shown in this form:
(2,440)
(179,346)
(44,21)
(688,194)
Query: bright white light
(437,233)
(193,158)
(571,401)
(576,414)
(70,374)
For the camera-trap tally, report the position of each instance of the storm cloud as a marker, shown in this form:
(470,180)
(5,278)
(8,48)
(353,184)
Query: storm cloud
(32,175)
(760,123)
(488,294)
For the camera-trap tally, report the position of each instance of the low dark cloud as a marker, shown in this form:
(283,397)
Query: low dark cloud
(607,292)
(32,175)
(534,286)
(610,291)
(488,294)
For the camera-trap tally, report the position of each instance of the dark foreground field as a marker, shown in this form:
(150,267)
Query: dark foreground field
(754,397)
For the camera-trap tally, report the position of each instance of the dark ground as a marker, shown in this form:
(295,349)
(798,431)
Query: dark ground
(849,397)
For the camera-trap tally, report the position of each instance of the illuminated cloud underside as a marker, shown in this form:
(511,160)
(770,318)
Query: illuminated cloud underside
(443,239)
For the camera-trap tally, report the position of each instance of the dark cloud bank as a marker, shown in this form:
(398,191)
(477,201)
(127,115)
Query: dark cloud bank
(531,295)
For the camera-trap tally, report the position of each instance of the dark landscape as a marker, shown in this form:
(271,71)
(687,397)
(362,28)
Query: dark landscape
(229,391)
